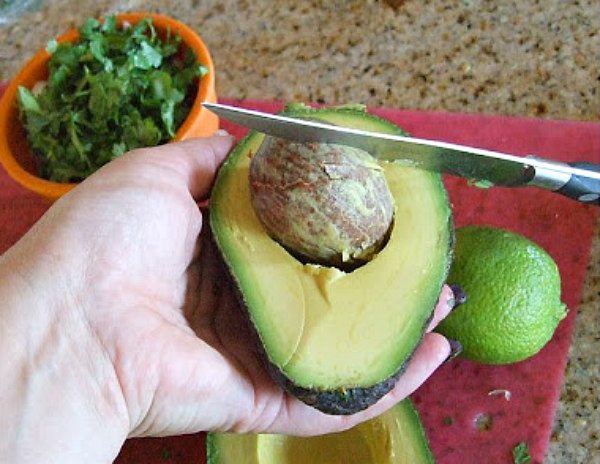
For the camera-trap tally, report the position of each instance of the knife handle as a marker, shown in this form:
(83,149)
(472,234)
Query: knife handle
(583,189)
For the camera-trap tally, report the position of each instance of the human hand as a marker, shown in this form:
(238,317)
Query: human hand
(118,323)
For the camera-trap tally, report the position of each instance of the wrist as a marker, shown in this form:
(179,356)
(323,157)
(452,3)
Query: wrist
(60,398)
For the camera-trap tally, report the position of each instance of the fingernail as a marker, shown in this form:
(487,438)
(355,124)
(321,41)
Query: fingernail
(455,349)
(451,301)
(222,132)
(460,296)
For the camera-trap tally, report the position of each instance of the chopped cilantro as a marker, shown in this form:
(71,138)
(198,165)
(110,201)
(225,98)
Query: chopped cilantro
(447,420)
(296,106)
(165,454)
(113,90)
(480,183)
(521,454)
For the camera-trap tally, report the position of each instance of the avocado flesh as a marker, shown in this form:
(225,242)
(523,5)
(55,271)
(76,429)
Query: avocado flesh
(322,329)
(396,436)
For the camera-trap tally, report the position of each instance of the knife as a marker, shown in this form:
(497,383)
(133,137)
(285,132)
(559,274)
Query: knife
(577,180)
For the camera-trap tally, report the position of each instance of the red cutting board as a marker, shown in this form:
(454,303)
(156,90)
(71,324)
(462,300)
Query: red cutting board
(453,398)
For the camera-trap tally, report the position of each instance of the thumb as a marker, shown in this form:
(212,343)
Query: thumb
(200,159)
(194,161)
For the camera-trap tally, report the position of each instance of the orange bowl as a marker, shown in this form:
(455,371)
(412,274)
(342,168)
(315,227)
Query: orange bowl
(14,151)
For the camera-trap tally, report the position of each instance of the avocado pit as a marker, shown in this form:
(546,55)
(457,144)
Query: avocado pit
(325,203)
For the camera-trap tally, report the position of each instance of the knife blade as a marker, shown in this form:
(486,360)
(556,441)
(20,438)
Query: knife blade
(579,181)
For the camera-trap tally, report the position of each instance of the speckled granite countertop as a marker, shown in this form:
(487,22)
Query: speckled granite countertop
(511,57)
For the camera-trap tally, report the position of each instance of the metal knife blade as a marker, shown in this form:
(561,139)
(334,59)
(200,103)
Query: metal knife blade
(472,163)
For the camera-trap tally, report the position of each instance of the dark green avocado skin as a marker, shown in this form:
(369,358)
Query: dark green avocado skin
(345,401)
(336,402)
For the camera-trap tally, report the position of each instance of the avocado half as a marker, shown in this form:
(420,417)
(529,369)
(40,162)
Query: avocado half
(396,436)
(337,340)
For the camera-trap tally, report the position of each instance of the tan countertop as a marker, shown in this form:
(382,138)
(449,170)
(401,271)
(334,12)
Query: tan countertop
(526,58)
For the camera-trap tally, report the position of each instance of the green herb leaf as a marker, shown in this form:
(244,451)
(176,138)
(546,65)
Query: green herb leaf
(480,183)
(202,70)
(27,101)
(97,50)
(147,57)
(113,90)
(51,46)
(110,24)
(165,454)
(521,454)
(90,26)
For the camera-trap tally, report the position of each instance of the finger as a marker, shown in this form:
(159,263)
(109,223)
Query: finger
(299,419)
(194,161)
(431,353)
(444,305)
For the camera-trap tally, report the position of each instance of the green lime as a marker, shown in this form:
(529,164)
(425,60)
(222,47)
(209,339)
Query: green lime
(513,296)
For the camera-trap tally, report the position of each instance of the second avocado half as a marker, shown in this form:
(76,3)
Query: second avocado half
(337,340)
